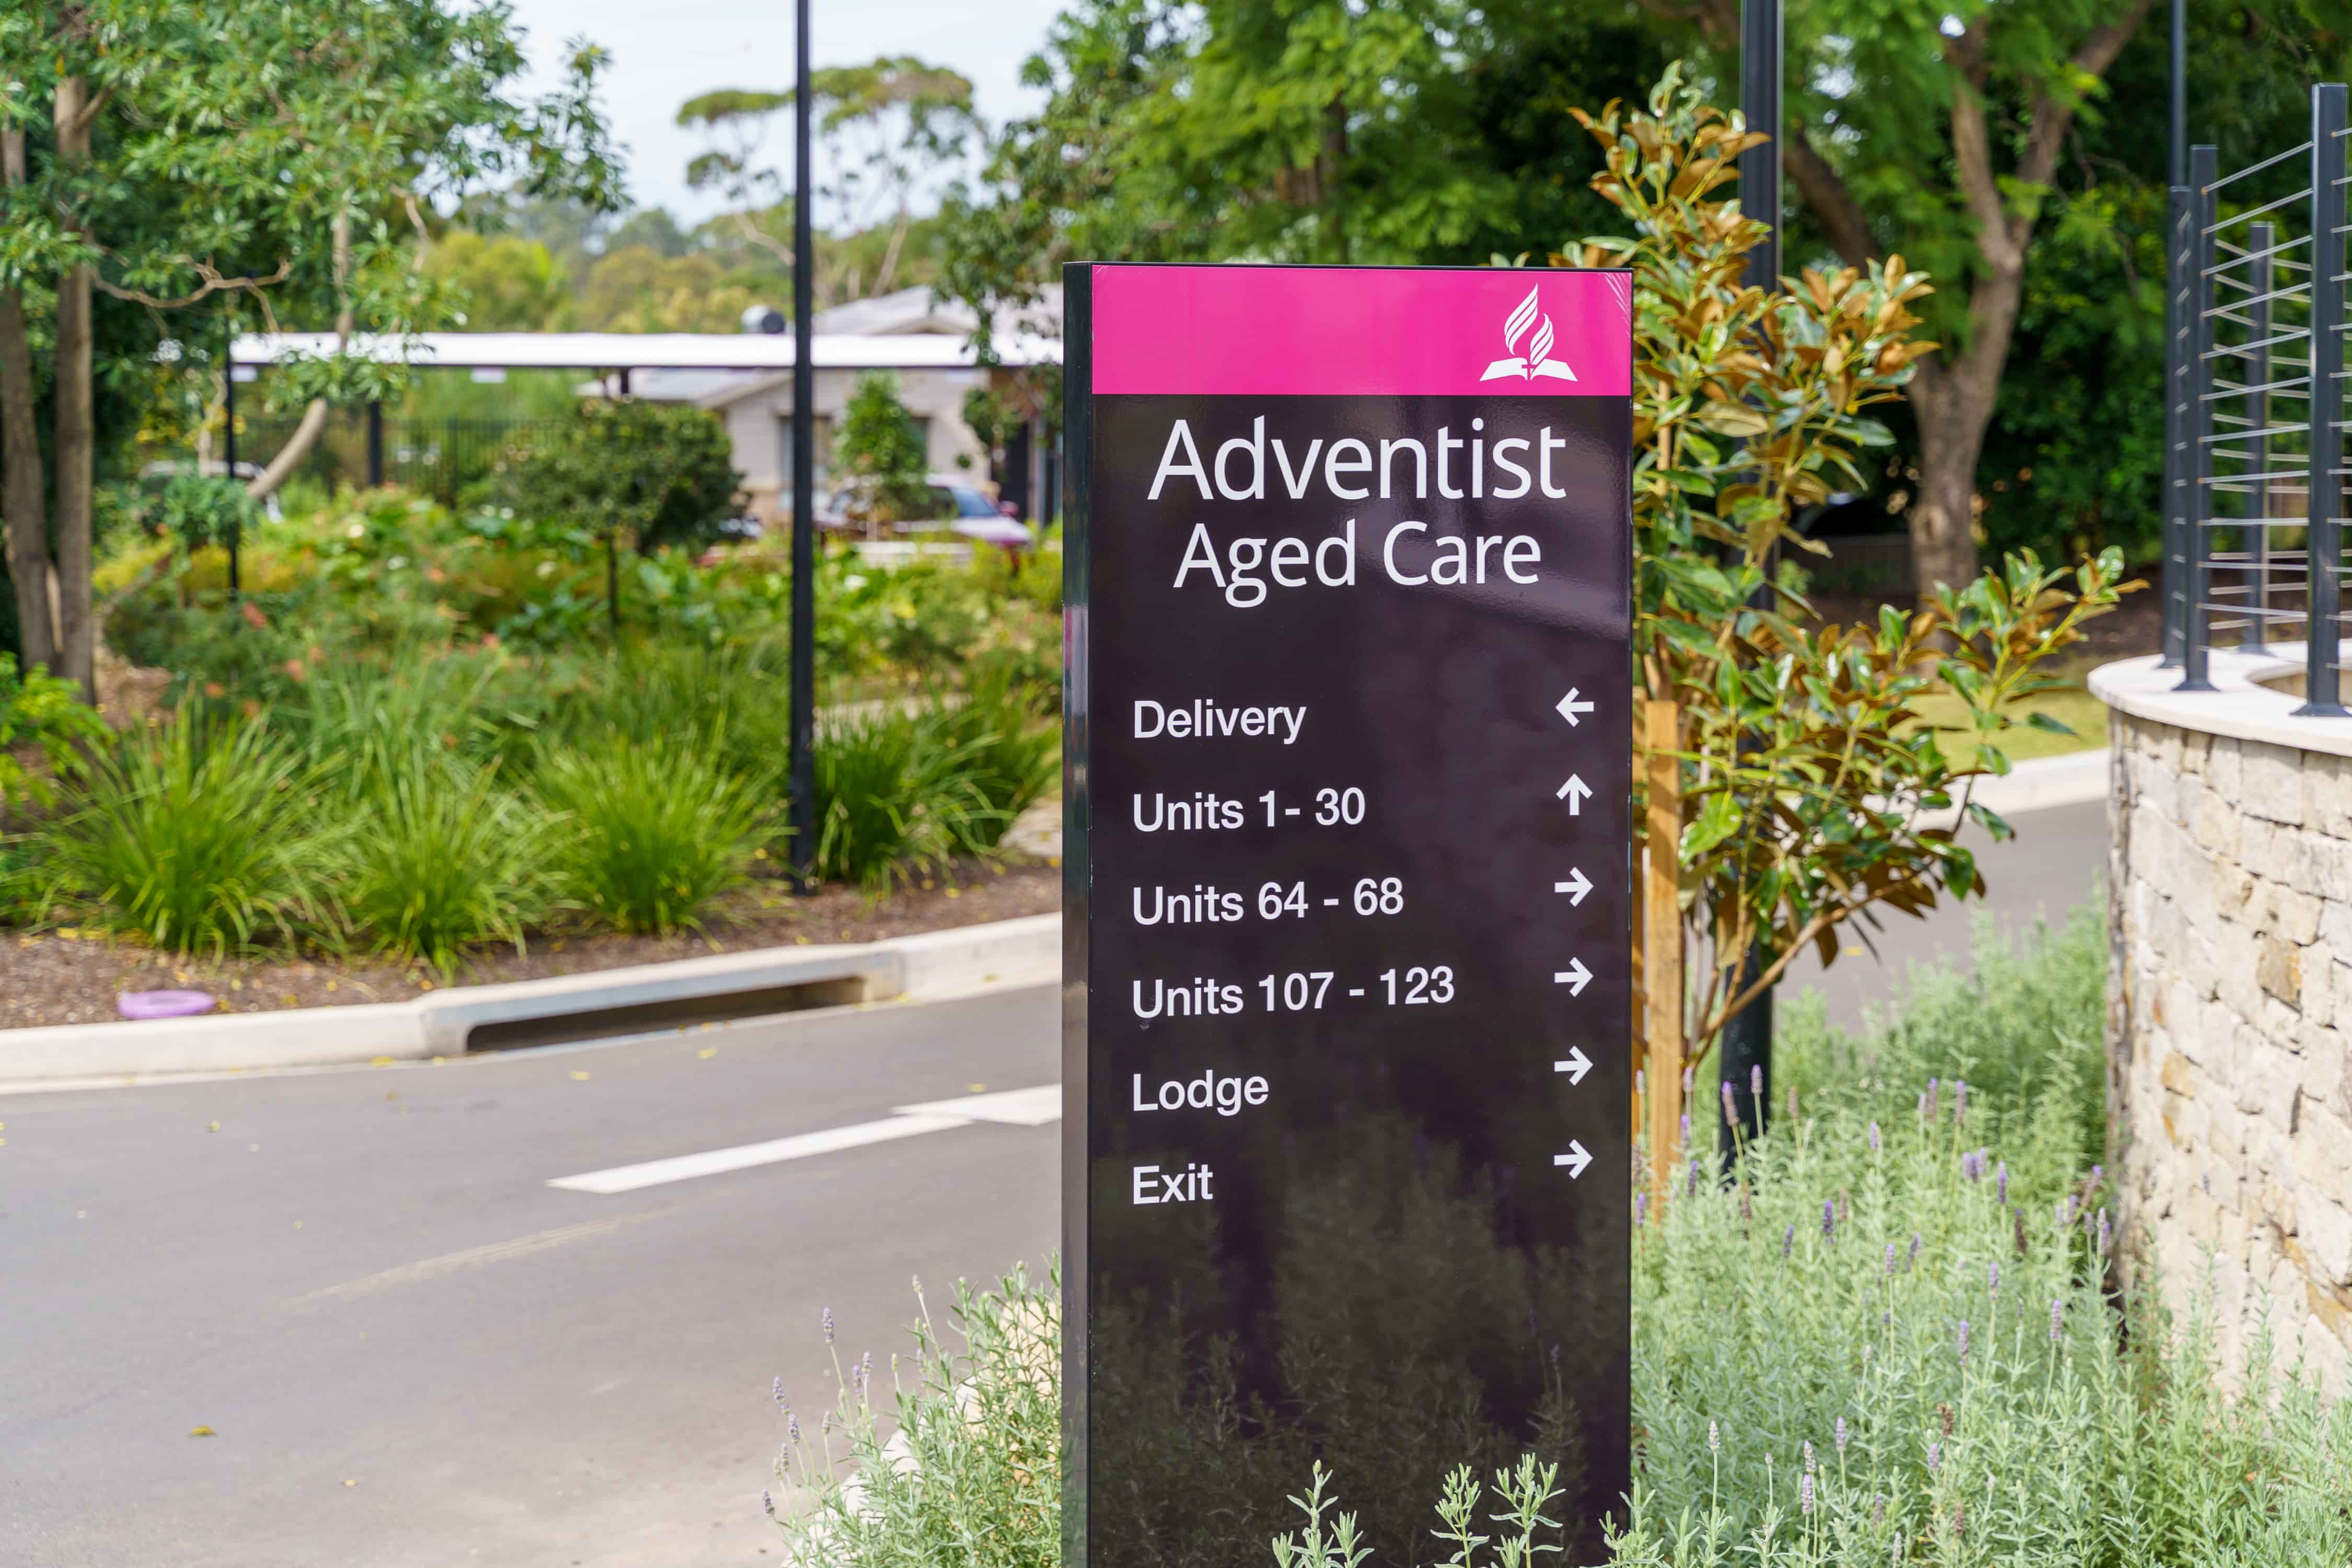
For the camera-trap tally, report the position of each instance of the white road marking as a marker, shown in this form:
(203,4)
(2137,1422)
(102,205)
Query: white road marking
(1016,1107)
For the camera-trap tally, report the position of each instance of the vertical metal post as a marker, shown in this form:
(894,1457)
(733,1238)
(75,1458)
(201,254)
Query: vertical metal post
(2178,259)
(2179,165)
(2260,238)
(229,449)
(2196,539)
(2326,505)
(375,443)
(1759,104)
(803,669)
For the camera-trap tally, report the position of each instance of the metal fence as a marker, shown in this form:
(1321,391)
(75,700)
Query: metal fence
(2254,448)
(439,457)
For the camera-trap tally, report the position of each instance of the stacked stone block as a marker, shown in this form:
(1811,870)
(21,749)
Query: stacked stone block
(2229,1032)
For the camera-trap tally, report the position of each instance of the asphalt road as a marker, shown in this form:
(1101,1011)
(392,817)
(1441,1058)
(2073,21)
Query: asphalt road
(413,1351)
(2055,863)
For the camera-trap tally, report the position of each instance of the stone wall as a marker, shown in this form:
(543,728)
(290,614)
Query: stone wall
(2229,1022)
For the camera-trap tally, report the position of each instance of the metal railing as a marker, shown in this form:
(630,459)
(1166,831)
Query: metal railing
(2254,450)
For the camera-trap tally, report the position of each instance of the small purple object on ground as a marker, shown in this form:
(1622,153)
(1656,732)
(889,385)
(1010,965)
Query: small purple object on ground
(163,1003)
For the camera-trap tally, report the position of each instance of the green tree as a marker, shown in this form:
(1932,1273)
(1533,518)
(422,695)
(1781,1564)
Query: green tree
(499,282)
(235,160)
(648,474)
(887,126)
(879,450)
(1940,133)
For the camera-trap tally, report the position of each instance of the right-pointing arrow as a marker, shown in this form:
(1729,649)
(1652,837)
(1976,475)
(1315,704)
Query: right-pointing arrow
(1576,887)
(1576,1159)
(1575,977)
(1577,1064)
(1575,792)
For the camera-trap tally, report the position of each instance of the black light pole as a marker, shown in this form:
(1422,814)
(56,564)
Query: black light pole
(804,780)
(1748,1034)
(228,447)
(2173,532)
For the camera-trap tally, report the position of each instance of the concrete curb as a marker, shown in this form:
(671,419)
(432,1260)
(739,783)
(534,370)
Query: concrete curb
(528,1012)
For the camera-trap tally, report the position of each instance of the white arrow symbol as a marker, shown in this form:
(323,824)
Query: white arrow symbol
(1576,887)
(1575,792)
(1576,1067)
(1576,978)
(1576,1159)
(1569,706)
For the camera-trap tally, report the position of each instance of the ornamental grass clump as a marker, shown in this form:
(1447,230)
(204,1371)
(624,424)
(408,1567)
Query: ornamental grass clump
(646,834)
(194,836)
(439,856)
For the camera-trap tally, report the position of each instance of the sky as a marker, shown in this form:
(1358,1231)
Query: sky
(666,51)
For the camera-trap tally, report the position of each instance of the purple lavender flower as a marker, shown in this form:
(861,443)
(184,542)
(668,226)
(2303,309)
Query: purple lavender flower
(1935,1455)
(2057,1318)
(1730,1116)
(2066,1209)
(1808,1456)
(828,1325)
(1690,1189)
(776,1392)
(1971,1167)
(1686,1125)
(1686,1083)
(1829,1219)
(1873,1137)
(1935,1106)
(791,1429)
(1840,1433)
(1714,1439)
(1964,1339)
(1992,1280)
(1756,1083)
(2103,1232)
(1959,1100)
(1792,1102)
(1890,1259)
(2098,1175)
(2000,1180)
(1805,1494)
(1917,1242)
(1789,1242)
(768,1502)
(1641,1209)
(1878,1514)
(1922,1107)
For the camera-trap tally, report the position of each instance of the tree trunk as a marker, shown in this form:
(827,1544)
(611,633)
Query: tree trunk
(314,418)
(1330,173)
(77,430)
(1951,438)
(24,503)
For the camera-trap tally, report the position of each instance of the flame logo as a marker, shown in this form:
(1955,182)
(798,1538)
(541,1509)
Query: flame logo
(1528,314)
(1519,321)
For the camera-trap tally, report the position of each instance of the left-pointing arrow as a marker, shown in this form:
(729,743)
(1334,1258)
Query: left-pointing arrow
(1576,1159)
(1576,978)
(1571,706)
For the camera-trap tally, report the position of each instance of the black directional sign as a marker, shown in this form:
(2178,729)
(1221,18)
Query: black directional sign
(1347,1013)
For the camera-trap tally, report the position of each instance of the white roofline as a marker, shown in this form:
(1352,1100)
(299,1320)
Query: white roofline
(638,350)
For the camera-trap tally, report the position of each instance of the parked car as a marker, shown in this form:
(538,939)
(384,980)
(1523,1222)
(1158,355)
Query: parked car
(958,506)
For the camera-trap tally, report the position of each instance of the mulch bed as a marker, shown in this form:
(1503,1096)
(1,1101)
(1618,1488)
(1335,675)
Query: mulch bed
(64,976)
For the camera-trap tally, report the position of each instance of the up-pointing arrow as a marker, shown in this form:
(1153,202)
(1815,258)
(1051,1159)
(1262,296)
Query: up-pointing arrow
(1576,887)
(1576,978)
(1577,1064)
(1576,1159)
(1568,707)
(1575,792)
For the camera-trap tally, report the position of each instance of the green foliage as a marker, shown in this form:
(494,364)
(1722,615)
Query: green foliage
(1807,775)
(197,510)
(439,857)
(897,797)
(40,713)
(649,474)
(877,448)
(2022,1027)
(648,832)
(957,1460)
(500,283)
(194,836)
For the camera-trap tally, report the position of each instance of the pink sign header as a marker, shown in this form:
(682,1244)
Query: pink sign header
(1362,331)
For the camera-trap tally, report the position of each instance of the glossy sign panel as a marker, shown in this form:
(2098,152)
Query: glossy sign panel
(1347,1007)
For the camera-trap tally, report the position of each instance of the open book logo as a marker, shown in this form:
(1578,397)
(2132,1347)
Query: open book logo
(1538,360)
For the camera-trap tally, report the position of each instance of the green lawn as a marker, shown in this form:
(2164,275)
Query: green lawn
(2071,706)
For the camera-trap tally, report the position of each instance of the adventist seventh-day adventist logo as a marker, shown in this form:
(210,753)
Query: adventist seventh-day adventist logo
(1538,360)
